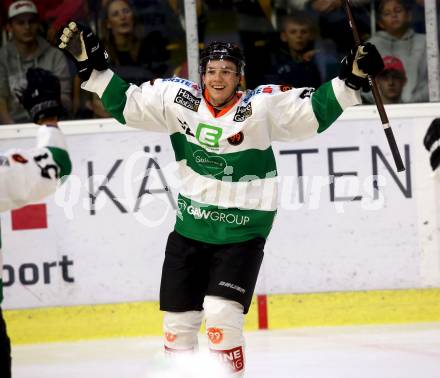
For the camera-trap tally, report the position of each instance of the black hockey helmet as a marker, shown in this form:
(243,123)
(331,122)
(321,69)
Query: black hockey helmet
(222,51)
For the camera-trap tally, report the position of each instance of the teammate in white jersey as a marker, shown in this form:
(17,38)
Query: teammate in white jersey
(222,141)
(30,175)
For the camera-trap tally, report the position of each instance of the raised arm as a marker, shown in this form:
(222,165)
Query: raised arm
(140,107)
(303,112)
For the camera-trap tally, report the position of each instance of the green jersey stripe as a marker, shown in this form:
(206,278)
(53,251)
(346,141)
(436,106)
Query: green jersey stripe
(114,98)
(325,106)
(215,225)
(245,165)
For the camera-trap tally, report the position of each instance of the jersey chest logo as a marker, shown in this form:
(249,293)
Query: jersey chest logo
(208,135)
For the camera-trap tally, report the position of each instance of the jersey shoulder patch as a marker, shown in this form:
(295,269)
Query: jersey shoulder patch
(185,93)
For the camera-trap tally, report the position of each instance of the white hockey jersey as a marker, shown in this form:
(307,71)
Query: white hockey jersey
(30,175)
(228,169)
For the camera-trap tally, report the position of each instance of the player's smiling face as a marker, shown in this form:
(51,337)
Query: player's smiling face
(221,80)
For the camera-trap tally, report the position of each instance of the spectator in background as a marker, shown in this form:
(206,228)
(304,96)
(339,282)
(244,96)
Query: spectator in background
(27,49)
(256,34)
(300,62)
(132,57)
(294,63)
(391,80)
(164,16)
(331,18)
(398,39)
(55,13)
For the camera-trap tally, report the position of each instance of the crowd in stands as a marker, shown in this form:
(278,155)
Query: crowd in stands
(293,42)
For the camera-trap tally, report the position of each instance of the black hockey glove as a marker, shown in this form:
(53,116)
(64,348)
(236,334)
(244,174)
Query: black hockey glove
(358,64)
(42,95)
(84,49)
(432,143)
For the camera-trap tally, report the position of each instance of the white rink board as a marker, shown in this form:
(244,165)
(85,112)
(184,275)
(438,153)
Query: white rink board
(319,245)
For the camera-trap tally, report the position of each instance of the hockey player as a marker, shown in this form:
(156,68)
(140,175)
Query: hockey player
(222,141)
(29,175)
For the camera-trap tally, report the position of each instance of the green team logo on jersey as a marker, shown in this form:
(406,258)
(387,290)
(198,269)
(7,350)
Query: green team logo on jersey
(208,135)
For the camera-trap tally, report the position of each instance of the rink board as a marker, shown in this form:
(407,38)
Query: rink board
(342,238)
(282,311)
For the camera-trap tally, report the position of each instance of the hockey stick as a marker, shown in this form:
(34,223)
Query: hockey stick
(377,98)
